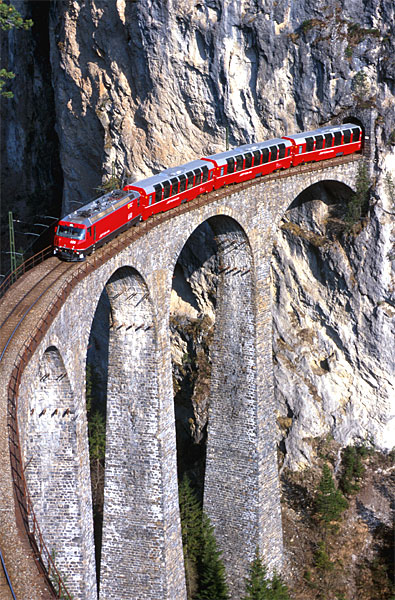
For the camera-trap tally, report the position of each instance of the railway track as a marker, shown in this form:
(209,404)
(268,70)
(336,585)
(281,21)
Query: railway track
(26,292)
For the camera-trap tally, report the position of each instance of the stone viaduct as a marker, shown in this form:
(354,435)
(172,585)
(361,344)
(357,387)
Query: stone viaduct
(141,554)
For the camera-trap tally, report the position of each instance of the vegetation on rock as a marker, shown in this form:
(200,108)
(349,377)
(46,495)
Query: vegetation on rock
(10,18)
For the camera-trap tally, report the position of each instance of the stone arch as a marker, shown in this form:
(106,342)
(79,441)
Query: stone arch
(231,495)
(132,563)
(52,468)
(327,190)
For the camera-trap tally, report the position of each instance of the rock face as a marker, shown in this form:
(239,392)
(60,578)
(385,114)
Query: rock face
(333,330)
(127,88)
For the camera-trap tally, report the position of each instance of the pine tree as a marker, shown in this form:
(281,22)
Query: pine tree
(359,201)
(261,587)
(257,583)
(353,470)
(191,531)
(211,570)
(278,589)
(330,502)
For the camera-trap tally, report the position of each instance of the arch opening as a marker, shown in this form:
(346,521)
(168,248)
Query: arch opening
(328,203)
(192,318)
(213,311)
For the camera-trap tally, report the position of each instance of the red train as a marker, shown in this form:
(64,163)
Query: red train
(89,227)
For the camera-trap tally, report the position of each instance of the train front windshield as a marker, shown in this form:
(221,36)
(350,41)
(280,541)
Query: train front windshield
(71,232)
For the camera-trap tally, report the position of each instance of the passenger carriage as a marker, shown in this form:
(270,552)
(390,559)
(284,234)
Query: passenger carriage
(326,142)
(251,160)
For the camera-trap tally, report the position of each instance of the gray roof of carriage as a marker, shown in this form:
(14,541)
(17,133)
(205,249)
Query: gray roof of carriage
(321,131)
(148,183)
(222,156)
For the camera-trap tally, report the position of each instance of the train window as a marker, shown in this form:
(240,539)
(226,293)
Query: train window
(319,142)
(90,231)
(309,144)
(183,183)
(347,136)
(265,155)
(174,186)
(300,149)
(248,160)
(273,152)
(222,171)
(190,180)
(158,193)
(239,162)
(150,199)
(281,153)
(338,138)
(71,232)
(231,165)
(328,140)
(198,174)
(257,157)
(166,189)
(355,134)
(205,174)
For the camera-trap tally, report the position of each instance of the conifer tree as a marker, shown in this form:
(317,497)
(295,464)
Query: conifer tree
(191,531)
(211,570)
(330,502)
(257,583)
(261,587)
(353,470)
(278,589)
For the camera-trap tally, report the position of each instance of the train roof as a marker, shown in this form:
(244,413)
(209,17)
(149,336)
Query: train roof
(148,184)
(100,207)
(322,131)
(221,157)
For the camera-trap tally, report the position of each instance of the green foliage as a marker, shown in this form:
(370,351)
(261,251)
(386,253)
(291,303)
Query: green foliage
(10,18)
(360,85)
(96,420)
(321,558)
(279,591)
(257,585)
(261,587)
(349,52)
(97,436)
(307,25)
(359,202)
(211,570)
(191,531)
(204,569)
(330,502)
(4,75)
(58,580)
(353,469)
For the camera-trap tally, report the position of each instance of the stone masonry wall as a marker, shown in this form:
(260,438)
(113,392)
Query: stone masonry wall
(143,445)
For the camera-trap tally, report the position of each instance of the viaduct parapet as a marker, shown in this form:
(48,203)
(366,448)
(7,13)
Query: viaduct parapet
(141,547)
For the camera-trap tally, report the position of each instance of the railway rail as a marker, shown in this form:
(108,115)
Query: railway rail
(45,297)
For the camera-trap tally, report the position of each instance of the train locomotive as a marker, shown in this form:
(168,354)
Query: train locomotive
(81,232)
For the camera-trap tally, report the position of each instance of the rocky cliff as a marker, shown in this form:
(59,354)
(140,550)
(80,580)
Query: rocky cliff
(129,87)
